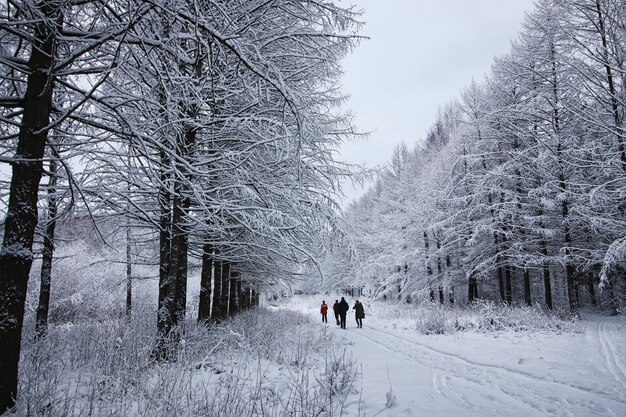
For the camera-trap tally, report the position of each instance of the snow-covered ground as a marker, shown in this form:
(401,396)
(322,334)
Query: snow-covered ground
(404,373)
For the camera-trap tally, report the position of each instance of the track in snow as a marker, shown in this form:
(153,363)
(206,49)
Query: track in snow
(483,389)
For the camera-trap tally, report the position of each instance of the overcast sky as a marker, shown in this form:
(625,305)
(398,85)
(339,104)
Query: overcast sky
(420,54)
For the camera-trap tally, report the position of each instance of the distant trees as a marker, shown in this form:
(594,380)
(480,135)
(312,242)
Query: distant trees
(527,168)
(211,123)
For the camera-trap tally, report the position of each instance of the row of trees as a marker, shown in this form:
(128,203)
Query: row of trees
(210,123)
(517,192)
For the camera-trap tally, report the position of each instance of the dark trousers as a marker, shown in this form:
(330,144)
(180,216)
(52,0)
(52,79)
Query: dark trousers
(359,322)
(324,317)
(337,318)
(342,319)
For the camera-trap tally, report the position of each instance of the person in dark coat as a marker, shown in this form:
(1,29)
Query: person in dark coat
(324,311)
(359,313)
(336,311)
(343,308)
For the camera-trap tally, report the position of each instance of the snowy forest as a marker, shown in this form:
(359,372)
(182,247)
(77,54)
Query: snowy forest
(185,131)
(516,194)
(170,178)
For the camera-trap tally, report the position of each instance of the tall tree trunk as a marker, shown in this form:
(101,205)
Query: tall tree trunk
(43,307)
(187,141)
(233,298)
(217,289)
(165,248)
(129,274)
(547,285)
(16,255)
(178,259)
(591,289)
(556,121)
(239,293)
(501,283)
(472,288)
(615,106)
(508,285)
(180,305)
(429,269)
(204,304)
(225,293)
(569,268)
(254,298)
(527,288)
(244,298)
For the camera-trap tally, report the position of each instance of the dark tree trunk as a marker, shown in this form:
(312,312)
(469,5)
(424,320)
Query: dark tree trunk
(527,293)
(254,298)
(41,325)
(225,293)
(217,289)
(239,293)
(129,274)
(501,284)
(176,282)
(180,306)
(187,142)
(244,298)
(167,309)
(165,248)
(592,290)
(571,289)
(569,268)
(235,288)
(429,269)
(204,304)
(165,224)
(509,285)
(472,289)
(173,288)
(547,286)
(615,106)
(21,218)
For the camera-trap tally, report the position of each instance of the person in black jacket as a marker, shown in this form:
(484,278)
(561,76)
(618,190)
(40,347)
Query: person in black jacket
(336,312)
(343,308)
(359,313)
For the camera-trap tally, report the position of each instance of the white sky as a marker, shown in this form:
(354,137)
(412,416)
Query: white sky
(420,54)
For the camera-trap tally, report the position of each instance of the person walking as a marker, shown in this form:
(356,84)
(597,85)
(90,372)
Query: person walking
(336,311)
(324,311)
(343,310)
(359,313)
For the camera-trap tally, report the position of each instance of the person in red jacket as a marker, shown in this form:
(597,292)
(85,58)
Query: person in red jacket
(324,311)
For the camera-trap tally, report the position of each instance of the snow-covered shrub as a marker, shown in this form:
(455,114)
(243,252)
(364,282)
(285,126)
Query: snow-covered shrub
(284,337)
(489,317)
(84,285)
(339,374)
(433,320)
(261,363)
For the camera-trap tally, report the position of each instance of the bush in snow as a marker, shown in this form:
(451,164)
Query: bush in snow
(489,317)
(261,363)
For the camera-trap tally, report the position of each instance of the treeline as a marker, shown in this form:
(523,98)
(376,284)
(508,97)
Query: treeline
(210,123)
(517,192)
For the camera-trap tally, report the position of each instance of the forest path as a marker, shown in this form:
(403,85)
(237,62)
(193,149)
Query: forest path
(504,374)
(428,380)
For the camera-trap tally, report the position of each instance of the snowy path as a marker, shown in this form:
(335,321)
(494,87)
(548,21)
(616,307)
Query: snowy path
(507,374)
